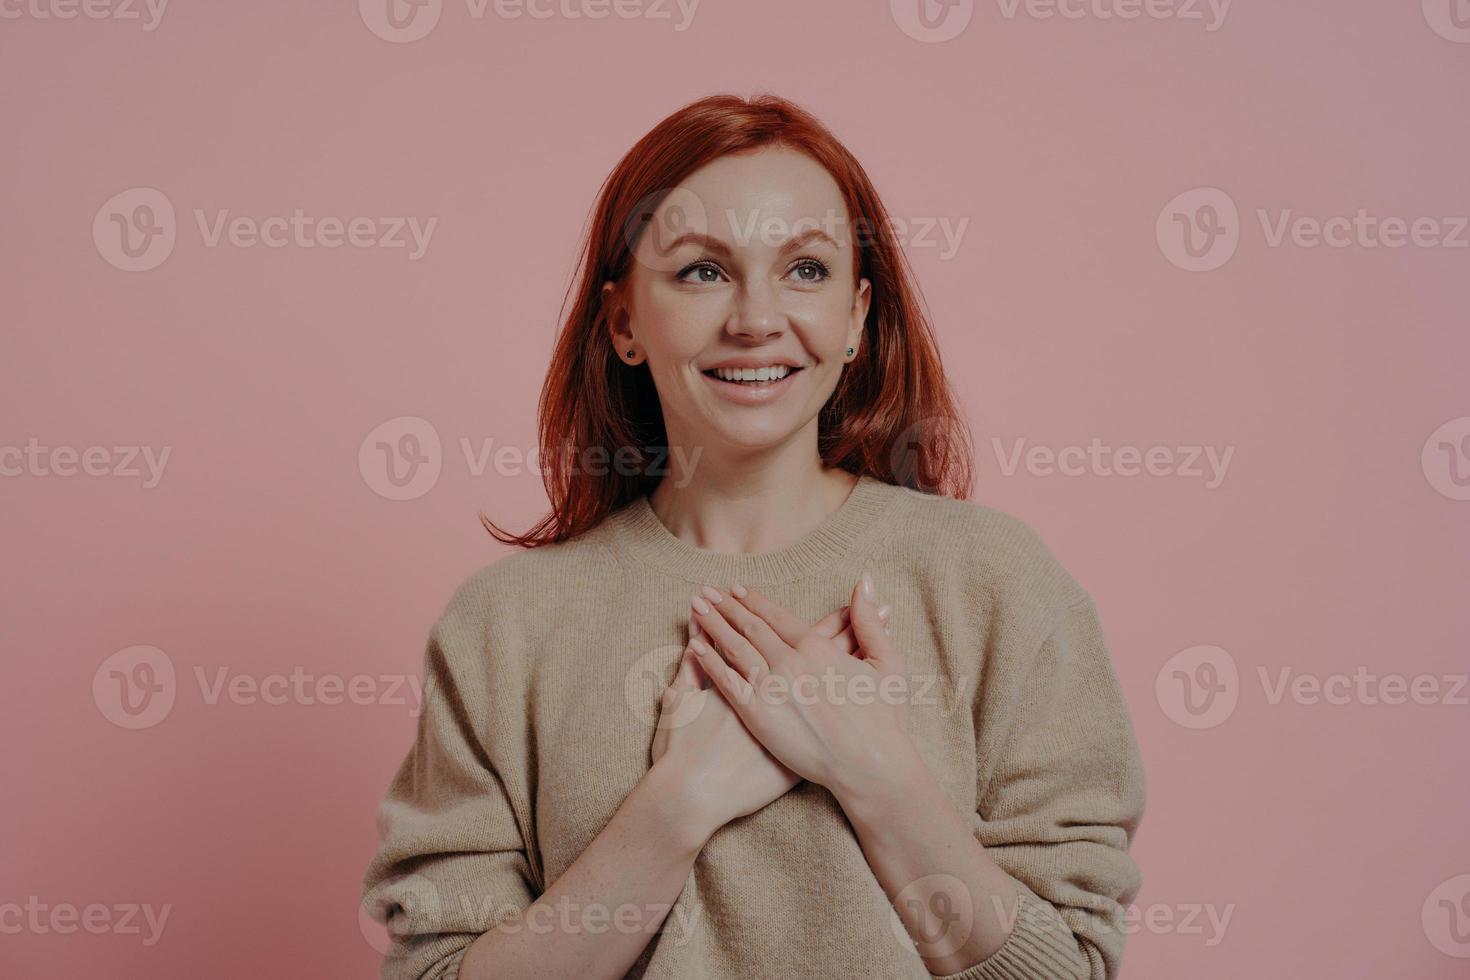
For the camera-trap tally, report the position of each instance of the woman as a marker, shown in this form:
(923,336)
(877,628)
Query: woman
(674,737)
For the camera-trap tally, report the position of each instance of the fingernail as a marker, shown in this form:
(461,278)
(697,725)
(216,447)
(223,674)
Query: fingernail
(883,612)
(712,593)
(700,606)
(867,586)
(694,628)
(739,590)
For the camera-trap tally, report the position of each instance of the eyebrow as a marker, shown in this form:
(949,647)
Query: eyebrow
(715,245)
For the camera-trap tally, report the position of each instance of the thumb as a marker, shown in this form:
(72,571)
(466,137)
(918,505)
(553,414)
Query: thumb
(689,676)
(877,646)
(680,702)
(684,677)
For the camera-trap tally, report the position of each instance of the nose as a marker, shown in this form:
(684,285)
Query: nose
(757,316)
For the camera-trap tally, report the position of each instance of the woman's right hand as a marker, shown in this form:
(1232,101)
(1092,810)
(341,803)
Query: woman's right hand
(725,772)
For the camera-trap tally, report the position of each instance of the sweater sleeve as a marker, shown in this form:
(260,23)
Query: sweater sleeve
(452,860)
(1063,796)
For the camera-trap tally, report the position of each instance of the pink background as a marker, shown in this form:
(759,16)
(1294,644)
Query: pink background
(1333,835)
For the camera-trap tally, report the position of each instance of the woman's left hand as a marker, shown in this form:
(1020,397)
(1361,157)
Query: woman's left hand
(832,717)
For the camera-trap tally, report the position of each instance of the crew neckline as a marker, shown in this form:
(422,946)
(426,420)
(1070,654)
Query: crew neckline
(852,525)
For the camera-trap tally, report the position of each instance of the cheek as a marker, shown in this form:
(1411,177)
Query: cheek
(693,309)
(675,328)
(832,304)
(826,320)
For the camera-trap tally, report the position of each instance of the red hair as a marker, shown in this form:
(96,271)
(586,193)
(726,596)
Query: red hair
(892,415)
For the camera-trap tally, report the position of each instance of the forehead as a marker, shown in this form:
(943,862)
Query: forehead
(769,188)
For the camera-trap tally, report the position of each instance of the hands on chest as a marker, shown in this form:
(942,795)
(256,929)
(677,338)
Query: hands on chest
(762,700)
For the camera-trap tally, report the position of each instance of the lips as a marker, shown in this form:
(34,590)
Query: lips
(753,364)
(751,392)
(715,372)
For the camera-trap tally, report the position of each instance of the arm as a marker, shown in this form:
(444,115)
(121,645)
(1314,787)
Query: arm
(947,890)
(618,892)
(453,878)
(1032,886)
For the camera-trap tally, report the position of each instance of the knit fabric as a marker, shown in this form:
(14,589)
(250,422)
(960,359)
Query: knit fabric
(542,678)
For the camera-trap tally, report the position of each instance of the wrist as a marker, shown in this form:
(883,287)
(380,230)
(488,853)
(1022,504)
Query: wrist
(676,810)
(884,779)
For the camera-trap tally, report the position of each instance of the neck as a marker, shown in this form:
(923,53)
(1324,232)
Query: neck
(741,506)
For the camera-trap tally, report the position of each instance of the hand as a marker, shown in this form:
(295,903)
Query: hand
(834,718)
(725,770)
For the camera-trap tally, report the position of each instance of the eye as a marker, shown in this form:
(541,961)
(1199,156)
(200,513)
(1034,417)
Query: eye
(816,267)
(700,268)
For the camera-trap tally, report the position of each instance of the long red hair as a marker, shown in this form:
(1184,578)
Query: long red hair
(892,415)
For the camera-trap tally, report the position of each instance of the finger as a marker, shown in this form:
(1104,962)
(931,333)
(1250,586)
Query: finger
(847,643)
(686,677)
(846,640)
(832,623)
(682,701)
(738,651)
(755,628)
(731,686)
(868,629)
(673,695)
(701,679)
(774,616)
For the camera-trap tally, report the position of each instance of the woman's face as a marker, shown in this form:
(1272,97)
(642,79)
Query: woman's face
(747,264)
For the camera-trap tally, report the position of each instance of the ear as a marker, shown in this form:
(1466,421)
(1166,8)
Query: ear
(617,318)
(861,301)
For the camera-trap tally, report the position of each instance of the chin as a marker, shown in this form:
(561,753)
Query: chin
(755,438)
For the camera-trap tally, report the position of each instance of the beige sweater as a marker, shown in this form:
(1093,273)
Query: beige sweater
(542,679)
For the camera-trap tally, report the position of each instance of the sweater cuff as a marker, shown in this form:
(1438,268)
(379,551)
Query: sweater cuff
(1041,946)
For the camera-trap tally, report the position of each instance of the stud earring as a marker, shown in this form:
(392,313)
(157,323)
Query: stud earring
(851,351)
(630,353)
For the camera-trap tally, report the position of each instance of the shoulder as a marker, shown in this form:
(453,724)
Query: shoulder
(527,586)
(495,615)
(981,548)
(527,578)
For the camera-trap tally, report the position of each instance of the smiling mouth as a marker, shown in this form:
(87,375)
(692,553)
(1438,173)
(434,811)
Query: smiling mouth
(755,382)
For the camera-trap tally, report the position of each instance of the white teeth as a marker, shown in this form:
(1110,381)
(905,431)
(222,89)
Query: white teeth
(773,373)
